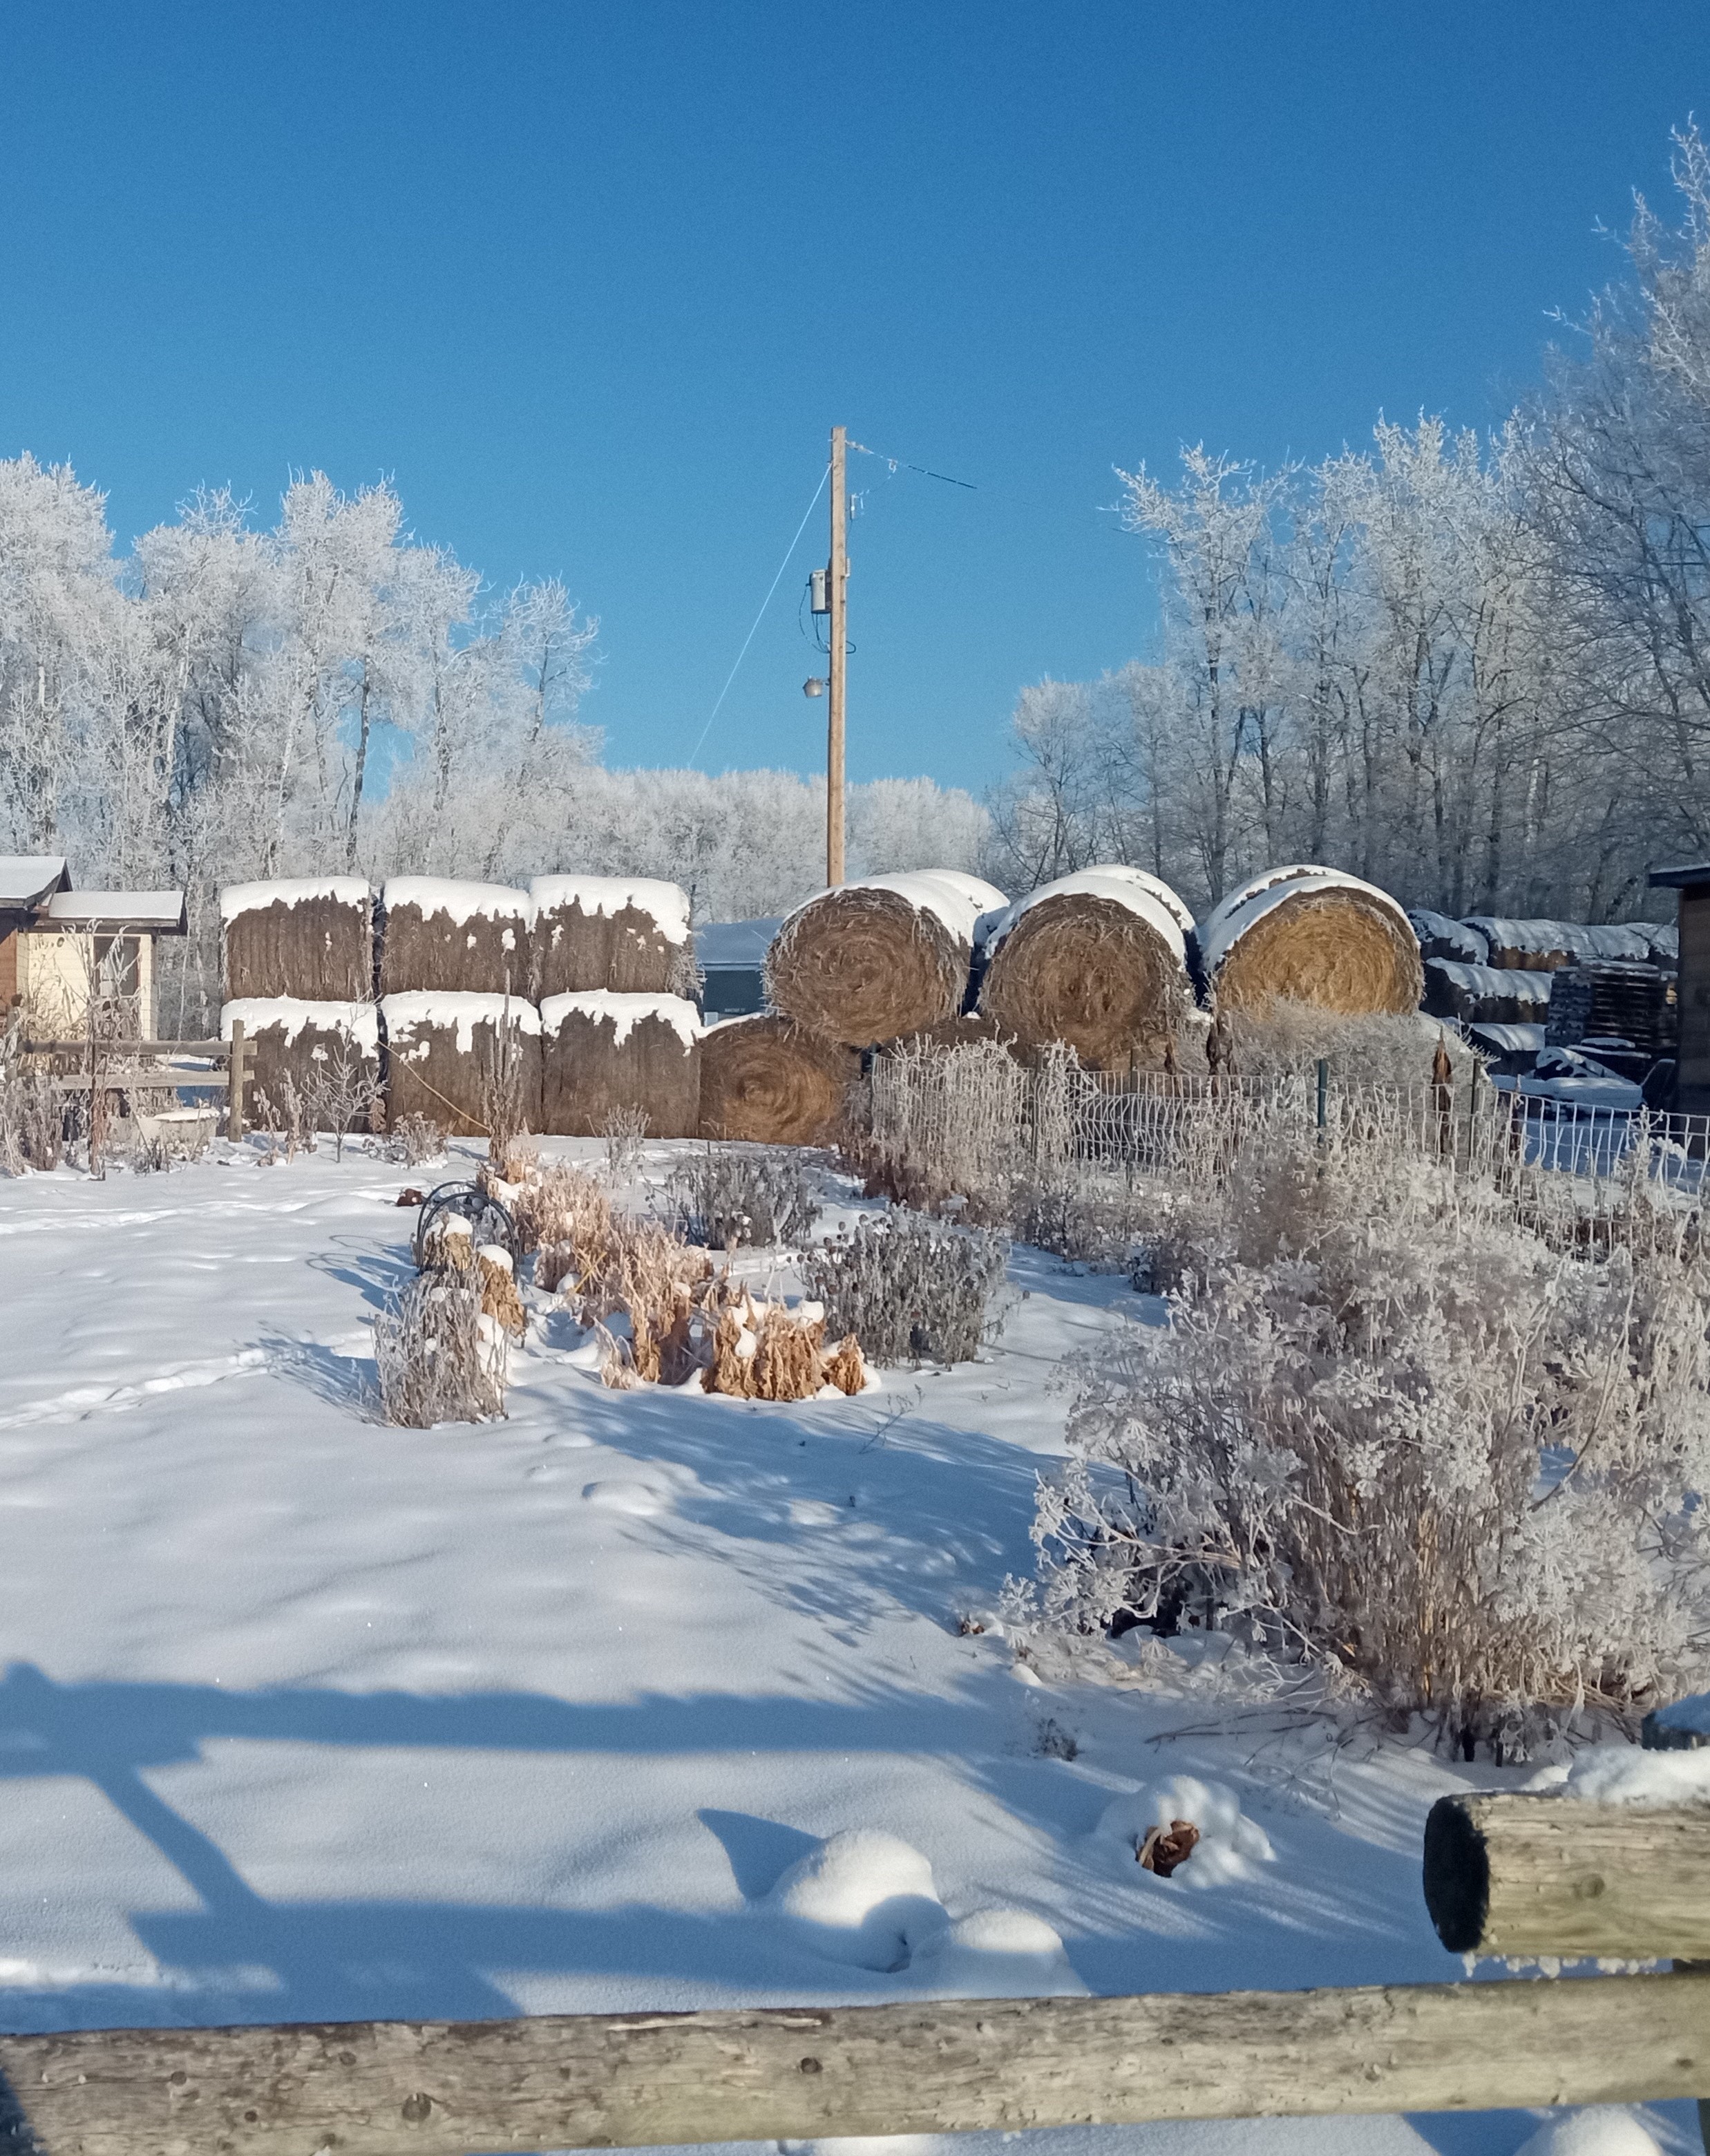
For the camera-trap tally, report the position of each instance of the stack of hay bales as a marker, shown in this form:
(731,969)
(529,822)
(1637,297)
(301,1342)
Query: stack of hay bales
(294,1048)
(441,937)
(767,1080)
(1098,959)
(605,1053)
(614,967)
(1440,937)
(443,1050)
(1312,935)
(455,971)
(862,964)
(297,957)
(1486,995)
(622,935)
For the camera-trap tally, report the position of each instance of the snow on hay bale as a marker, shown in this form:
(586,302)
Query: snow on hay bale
(1312,935)
(1098,959)
(309,939)
(626,934)
(295,1046)
(440,1053)
(765,1079)
(1494,995)
(1543,947)
(601,1052)
(868,961)
(458,938)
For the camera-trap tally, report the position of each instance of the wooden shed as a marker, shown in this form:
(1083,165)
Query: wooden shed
(1691,1084)
(60,948)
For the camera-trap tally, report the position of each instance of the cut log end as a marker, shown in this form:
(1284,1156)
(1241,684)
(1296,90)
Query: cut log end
(1457,1875)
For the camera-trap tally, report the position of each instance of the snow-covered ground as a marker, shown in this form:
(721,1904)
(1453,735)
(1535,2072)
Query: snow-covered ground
(309,1718)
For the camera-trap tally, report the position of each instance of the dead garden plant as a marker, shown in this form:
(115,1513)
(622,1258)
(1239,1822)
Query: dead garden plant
(436,1355)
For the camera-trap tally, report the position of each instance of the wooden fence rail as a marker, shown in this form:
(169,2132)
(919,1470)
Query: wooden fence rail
(117,1068)
(404,2088)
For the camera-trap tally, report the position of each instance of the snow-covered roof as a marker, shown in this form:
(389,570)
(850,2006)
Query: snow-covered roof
(624,1012)
(1143,895)
(27,879)
(1232,918)
(238,898)
(262,1013)
(431,895)
(667,904)
(160,912)
(462,1008)
(724,944)
(1516,983)
(955,898)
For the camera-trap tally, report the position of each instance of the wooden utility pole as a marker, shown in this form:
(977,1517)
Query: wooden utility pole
(837,599)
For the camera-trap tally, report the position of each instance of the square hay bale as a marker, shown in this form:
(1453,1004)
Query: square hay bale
(307,939)
(602,1052)
(440,1049)
(437,936)
(292,1044)
(628,934)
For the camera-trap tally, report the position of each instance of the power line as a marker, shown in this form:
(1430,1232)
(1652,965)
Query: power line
(901,464)
(759,617)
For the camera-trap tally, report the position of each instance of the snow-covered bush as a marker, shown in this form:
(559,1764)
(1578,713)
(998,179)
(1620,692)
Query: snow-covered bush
(728,1196)
(439,1358)
(1392,1429)
(910,1288)
(412,1141)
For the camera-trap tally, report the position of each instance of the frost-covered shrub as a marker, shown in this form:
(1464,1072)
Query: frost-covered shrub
(439,1358)
(1391,1430)
(727,1196)
(412,1141)
(1365,1047)
(911,1289)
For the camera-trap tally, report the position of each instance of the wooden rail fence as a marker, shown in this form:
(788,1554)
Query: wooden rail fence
(126,1066)
(1503,1874)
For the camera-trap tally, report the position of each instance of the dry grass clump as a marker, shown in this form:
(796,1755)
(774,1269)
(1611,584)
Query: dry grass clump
(32,1129)
(1393,1432)
(437,1355)
(767,1352)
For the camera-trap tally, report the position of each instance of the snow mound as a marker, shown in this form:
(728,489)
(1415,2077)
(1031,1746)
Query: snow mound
(1626,1774)
(1604,2130)
(624,1011)
(996,1953)
(640,1501)
(236,898)
(861,1896)
(665,904)
(1229,1843)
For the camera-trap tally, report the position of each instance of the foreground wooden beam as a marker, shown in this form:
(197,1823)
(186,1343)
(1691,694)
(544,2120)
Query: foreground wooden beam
(1527,1876)
(624,2080)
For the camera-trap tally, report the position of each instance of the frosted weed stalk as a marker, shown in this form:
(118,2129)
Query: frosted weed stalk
(1393,1432)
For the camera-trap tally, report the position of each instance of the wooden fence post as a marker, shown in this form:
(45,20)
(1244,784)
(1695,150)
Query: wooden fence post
(234,1095)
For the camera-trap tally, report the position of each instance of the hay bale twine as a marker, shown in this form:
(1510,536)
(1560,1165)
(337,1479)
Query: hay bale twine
(869,960)
(294,1045)
(601,1052)
(439,1051)
(1098,959)
(1312,935)
(628,934)
(455,938)
(306,939)
(767,1080)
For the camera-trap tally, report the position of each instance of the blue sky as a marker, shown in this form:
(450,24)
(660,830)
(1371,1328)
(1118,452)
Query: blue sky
(591,283)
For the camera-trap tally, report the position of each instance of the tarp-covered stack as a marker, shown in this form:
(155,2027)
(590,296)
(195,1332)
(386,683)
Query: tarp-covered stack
(602,1053)
(445,1051)
(625,935)
(1312,935)
(1098,959)
(1490,995)
(316,1054)
(1543,946)
(1442,938)
(887,956)
(769,1080)
(308,938)
(438,936)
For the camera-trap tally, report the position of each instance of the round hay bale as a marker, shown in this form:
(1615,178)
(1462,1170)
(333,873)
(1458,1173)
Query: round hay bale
(309,939)
(440,1051)
(455,938)
(1098,960)
(767,1080)
(293,1046)
(869,960)
(601,1052)
(628,934)
(1312,935)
